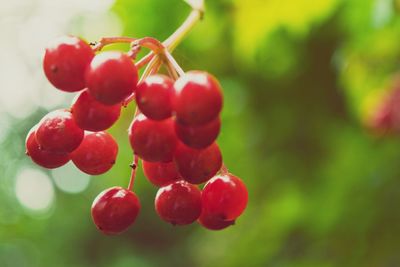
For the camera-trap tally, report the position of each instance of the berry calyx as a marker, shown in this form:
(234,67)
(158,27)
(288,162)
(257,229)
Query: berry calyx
(213,222)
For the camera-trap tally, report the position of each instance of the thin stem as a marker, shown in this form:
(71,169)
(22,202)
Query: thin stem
(224,170)
(111,40)
(171,60)
(134,166)
(144,60)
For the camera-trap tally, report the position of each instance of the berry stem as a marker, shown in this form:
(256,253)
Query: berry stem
(134,166)
(224,170)
(111,40)
(170,60)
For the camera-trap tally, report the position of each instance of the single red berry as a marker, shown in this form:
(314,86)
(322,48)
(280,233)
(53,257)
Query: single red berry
(153,140)
(178,203)
(46,159)
(198,98)
(198,166)
(198,136)
(91,115)
(213,222)
(65,62)
(114,210)
(96,154)
(154,97)
(160,173)
(111,77)
(58,132)
(224,196)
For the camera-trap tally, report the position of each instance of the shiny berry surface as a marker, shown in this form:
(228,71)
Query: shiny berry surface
(213,222)
(198,136)
(154,97)
(115,209)
(96,154)
(58,132)
(224,196)
(160,173)
(91,115)
(65,62)
(198,98)
(198,166)
(178,203)
(111,77)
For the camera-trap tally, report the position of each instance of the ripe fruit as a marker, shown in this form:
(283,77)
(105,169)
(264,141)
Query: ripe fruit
(198,166)
(198,98)
(160,173)
(92,115)
(214,222)
(111,77)
(65,63)
(115,209)
(224,196)
(58,132)
(152,140)
(198,136)
(96,154)
(154,97)
(178,203)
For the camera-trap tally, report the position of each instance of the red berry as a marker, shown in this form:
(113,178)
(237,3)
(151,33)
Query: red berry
(96,154)
(46,159)
(111,77)
(115,209)
(58,132)
(224,196)
(214,222)
(65,63)
(92,115)
(152,140)
(198,98)
(198,166)
(160,173)
(198,136)
(178,203)
(154,97)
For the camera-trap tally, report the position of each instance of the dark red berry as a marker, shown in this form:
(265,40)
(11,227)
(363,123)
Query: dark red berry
(153,140)
(58,132)
(224,196)
(179,203)
(198,98)
(42,157)
(154,97)
(114,210)
(91,115)
(65,62)
(111,77)
(198,136)
(96,154)
(198,166)
(213,222)
(160,173)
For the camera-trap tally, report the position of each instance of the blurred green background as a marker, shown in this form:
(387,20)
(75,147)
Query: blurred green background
(300,77)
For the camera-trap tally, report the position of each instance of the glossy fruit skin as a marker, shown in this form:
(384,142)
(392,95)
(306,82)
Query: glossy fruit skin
(224,196)
(58,132)
(198,136)
(46,159)
(151,140)
(114,210)
(111,77)
(96,154)
(160,173)
(178,203)
(154,97)
(65,62)
(197,166)
(213,222)
(91,115)
(197,99)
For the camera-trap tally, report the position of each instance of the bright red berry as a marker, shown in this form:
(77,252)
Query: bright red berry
(198,98)
(198,136)
(58,132)
(152,140)
(114,210)
(111,77)
(178,203)
(91,115)
(213,222)
(160,173)
(65,62)
(96,154)
(224,196)
(198,166)
(46,159)
(154,97)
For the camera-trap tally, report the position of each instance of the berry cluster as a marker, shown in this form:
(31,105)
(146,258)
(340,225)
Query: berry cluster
(173,132)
